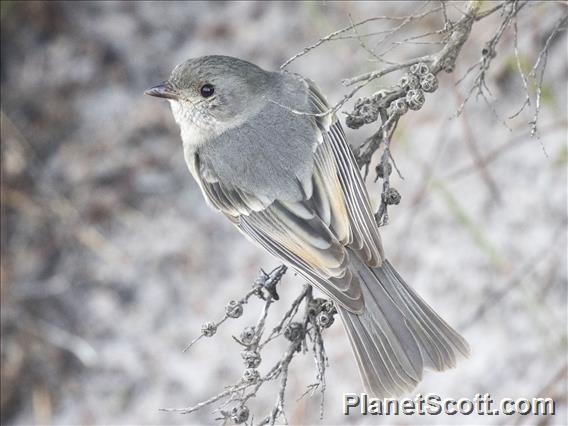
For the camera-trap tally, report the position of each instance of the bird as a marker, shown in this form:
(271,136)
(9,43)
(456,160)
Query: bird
(268,152)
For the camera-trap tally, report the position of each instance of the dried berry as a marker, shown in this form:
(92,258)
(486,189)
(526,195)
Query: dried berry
(429,83)
(488,51)
(399,107)
(251,375)
(251,358)
(378,96)
(409,81)
(391,196)
(234,309)
(294,331)
(415,99)
(380,169)
(240,414)
(247,335)
(354,121)
(369,112)
(359,102)
(208,329)
(419,69)
(364,112)
(324,320)
(328,307)
(315,305)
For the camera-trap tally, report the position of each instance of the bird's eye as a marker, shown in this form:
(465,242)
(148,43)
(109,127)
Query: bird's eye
(207,90)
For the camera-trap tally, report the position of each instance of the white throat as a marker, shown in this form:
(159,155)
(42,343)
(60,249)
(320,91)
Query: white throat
(194,130)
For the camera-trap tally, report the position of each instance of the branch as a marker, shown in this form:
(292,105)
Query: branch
(392,103)
(318,315)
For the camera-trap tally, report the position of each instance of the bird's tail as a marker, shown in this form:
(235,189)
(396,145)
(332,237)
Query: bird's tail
(398,334)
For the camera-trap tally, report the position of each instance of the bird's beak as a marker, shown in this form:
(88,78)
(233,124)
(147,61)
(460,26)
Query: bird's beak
(162,90)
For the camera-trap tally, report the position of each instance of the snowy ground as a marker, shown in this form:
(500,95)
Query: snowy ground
(111,260)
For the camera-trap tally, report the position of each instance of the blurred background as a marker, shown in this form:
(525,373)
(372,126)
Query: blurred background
(111,260)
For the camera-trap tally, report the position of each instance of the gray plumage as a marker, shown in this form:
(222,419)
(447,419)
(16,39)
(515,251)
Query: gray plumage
(266,157)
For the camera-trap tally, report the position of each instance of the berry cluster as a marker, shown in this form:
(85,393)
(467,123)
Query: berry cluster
(409,94)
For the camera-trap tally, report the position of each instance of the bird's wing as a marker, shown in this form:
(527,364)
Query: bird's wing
(312,233)
(365,238)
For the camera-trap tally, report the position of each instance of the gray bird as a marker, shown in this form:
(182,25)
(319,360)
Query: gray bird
(266,157)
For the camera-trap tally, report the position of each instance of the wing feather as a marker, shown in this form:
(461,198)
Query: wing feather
(366,240)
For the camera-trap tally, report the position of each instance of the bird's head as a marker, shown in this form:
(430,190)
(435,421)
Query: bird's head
(213,93)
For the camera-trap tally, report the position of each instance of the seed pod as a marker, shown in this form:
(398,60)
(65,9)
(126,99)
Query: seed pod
(380,169)
(415,99)
(429,83)
(360,101)
(234,309)
(391,196)
(369,112)
(365,111)
(251,358)
(251,375)
(329,307)
(240,414)
(419,69)
(209,329)
(293,331)
(324,320)
(247,335)
(409,81)
(378,96)
(399,107)
(354,121)
(488,51)
(315,305)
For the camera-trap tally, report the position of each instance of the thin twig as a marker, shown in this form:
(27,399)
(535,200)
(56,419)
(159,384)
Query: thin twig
(334,35)
(543,56)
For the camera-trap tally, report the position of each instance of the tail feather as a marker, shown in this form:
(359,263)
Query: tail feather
(385,369)
(398,334)
(442,343)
